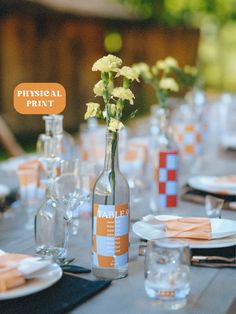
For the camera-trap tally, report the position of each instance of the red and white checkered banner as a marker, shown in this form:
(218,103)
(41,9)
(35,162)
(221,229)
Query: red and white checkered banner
(167,179)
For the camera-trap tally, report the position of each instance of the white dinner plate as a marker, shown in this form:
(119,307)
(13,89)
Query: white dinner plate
(212,185)
(223,232)
(48,276)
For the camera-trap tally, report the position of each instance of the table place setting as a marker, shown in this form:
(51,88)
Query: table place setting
(221,187)
(22,275)
(70,219)
(25,282)
(199,232)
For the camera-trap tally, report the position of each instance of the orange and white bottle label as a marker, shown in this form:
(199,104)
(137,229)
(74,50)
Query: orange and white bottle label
(110,235)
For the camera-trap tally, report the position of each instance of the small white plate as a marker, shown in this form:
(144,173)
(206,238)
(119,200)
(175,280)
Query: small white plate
(48,276)
(210,184)
(223,232)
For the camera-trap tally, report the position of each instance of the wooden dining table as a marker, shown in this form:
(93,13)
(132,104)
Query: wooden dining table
(213,290)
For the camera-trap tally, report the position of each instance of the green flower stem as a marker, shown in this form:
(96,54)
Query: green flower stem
(106,76)
(112,175)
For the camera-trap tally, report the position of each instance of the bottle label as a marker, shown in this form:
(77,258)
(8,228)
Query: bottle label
(167,179)
(110,235)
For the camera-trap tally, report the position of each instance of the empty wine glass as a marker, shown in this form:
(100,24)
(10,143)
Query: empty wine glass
(213,206)
(68,191)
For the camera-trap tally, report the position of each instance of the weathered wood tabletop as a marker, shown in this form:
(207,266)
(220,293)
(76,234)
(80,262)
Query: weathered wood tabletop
(212,290)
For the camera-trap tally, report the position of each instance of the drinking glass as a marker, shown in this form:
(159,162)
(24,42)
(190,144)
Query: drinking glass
(68,191)
(31,192)
(167,274)
(213,206)
(71,166)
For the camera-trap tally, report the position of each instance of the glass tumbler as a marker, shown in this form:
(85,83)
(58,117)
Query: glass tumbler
(213,206)
(167,274)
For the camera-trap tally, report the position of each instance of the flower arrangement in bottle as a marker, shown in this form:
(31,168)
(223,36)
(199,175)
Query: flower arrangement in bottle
(165,77)
(111,192)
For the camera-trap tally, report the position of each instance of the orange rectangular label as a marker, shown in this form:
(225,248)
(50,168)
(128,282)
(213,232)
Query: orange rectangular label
(39,98)
(110,235)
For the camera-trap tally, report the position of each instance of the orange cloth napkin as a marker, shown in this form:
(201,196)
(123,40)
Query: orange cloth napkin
(10,277)
(189,227)
(29,172)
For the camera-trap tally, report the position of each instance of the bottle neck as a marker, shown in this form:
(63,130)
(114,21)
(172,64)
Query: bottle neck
(111,154)
(48,125)
(163,122)
(58,125)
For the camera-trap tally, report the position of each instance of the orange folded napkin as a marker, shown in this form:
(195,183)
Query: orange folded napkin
(15,269)
(226,179)
(10,277)
(29,172)
(189,227)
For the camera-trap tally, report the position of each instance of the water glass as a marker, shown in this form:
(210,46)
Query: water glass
(167,274)
(213,206)
(31,192)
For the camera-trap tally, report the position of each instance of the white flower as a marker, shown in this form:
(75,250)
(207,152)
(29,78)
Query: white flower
(161,65)
(112,109)
(190,70)
(123,93)
(115,125)
(171,62)
(143,69)
(169,84)
(166,64)
(129,73)
(92,110)
(154,70)
(98,88)
(107,64)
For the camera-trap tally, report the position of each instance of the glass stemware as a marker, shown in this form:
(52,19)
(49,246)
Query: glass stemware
(68,191)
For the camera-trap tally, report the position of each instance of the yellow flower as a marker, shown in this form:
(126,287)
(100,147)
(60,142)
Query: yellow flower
(113,109)
(107,64)
(123,93)
(166,64)
(115,125)
(98,88)
(161,65)
(143,69)
(171,62)
(190,70)
(92,110)
(154,70)
(129,73)
(169,84)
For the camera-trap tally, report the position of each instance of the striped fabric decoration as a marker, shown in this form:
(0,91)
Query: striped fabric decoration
(188,138)
(167,179)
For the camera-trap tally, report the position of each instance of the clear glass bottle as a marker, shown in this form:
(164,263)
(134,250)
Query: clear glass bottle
(51,227)
(44,137)
(164,160)
(64,141)
(67,142)
(110,227)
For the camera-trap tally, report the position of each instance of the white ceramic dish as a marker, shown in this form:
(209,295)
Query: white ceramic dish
(211,184)
(48,276)
(223,232)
